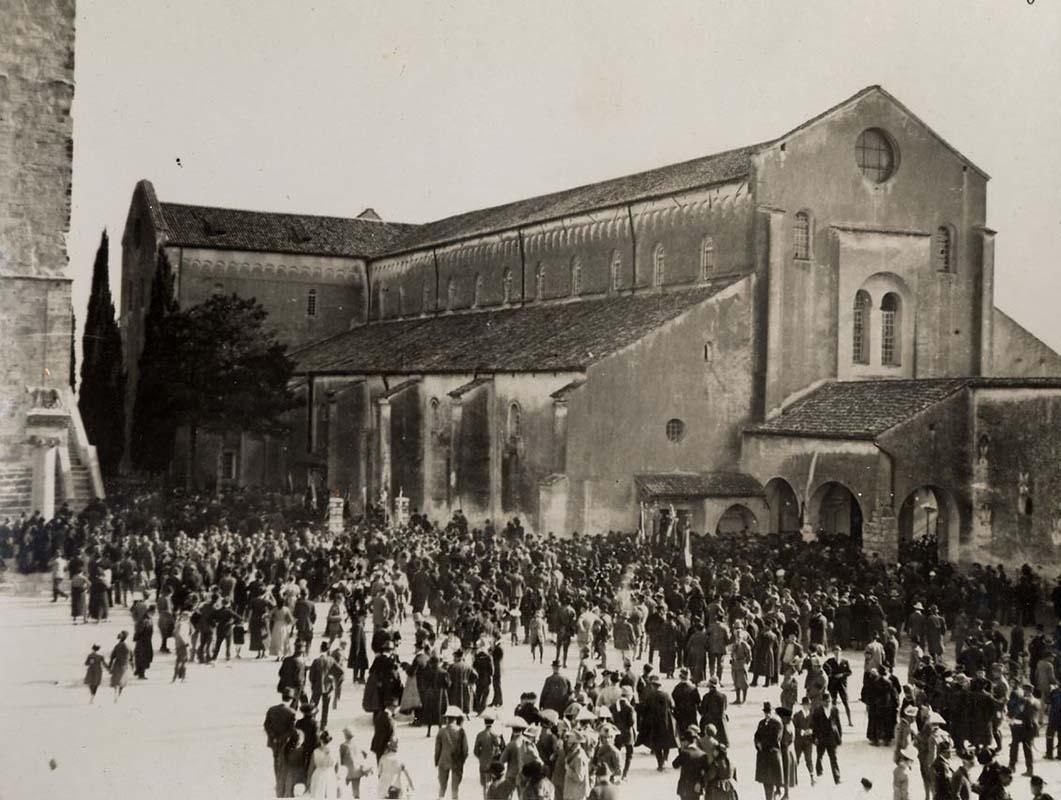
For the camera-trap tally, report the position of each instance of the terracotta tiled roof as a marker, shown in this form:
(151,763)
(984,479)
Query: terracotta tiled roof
(705,171)
(537,337)
(859,409)
(698,484)
(235,229)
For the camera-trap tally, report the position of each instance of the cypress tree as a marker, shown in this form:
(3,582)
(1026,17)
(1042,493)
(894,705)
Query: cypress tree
(102,397)
(73,352)
(154,414)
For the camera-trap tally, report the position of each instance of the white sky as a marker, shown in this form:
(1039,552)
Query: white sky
(421,110)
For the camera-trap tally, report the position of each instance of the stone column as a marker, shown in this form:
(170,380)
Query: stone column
(384,440)
(453,493)
(987,301)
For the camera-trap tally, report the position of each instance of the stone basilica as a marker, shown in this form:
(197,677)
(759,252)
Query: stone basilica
(795,335)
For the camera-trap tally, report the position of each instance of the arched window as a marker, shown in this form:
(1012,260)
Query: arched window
(435,416)
(477,291)
(801,235)
(941,249)
(515,421)
(506,287)
(617,270)
(539,278)
(707,257)
(220,289)
(675,430)
(860,318)
(311,300)
(576,276)
(451,294)
(425,297)
(659,265)
(890,325)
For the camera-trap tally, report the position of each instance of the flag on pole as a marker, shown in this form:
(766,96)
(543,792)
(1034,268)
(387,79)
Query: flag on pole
(688,554)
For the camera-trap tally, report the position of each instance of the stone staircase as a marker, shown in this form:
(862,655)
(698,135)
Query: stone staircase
(82,484)
(16,490)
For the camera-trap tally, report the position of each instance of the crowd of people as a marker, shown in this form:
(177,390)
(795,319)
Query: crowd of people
(622,611)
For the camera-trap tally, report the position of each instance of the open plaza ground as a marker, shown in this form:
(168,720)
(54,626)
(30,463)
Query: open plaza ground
(204,738)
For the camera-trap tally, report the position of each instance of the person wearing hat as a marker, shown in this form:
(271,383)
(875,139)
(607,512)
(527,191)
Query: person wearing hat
(828,736)
(769,762)
(915,624)
(1038,787)
(686,700)
(658,730)
(804,736)
(279,724)
(904,767)
(1023,712)
(292,675)
(607,753)
(942,771)
(118,665)
(624,717)
(713,706)
(962,781)
(95,664)
(451,751)
(310,729)
(355,761)
(462,681)
(556,691)
(488,746)
(603,788)
(693,765)
(904,731)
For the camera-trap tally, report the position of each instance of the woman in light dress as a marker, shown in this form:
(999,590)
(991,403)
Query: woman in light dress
(280,621)
(393,774)
(324,780)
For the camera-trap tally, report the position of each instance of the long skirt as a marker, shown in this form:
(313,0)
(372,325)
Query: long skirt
(77,603)
(410,697)
(279,638)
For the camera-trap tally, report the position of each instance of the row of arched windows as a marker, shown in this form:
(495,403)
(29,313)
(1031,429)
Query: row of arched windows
(707,267)
(890,329)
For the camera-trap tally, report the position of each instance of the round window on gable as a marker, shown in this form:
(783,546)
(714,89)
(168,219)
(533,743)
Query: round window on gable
(675,430)
(876,155)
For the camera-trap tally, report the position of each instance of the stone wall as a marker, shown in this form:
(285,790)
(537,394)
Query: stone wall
(36,150)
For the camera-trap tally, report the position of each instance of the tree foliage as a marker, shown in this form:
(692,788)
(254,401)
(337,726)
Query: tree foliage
(102,397)
(228,371)
(154,426)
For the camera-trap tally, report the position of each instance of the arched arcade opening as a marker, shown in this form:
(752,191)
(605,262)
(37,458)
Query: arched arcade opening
(835,509)
(929,511)
(785,515)
(737,519)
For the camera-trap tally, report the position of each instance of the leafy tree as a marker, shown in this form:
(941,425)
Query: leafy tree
(226,371)
(155,422)
(102,397)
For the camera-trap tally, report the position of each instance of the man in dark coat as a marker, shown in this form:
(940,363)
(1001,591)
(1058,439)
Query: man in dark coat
(769,760)
(686,701)
(311,731)
(658,731)
(556,692)
(305,616)
(713,711)
(322,681)
(483,666)
(293,675)
(828,735)
(279,725)
(462,680)
(694,764)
